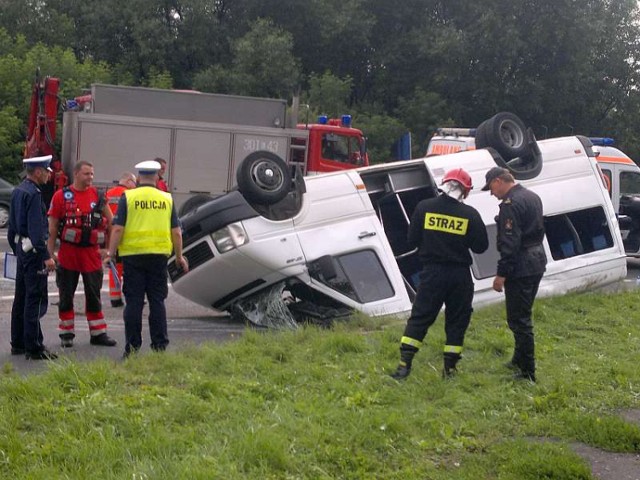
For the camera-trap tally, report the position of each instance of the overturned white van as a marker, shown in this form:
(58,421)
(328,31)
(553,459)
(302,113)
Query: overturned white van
(337,242)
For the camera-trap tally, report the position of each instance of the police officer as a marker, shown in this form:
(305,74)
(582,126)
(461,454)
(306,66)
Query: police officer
(444,229)
(145,231)
(27,235)
(522,262)
(127,181)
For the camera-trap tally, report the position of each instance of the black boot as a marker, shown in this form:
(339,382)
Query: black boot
(407,353)
(525,375)
(450,362)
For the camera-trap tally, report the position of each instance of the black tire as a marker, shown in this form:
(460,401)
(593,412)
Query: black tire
(264,178)
(506,133)
(193,203)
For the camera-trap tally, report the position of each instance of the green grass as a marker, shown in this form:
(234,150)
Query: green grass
(319,404)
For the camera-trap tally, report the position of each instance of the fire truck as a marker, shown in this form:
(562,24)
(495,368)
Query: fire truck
(211,142)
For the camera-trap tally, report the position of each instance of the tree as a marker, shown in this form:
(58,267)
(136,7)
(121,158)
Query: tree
(263,65)
(328,94)
(18,66)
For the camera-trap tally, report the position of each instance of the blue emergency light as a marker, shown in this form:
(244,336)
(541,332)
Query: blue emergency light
(602,141)
(323,119)
(346,121)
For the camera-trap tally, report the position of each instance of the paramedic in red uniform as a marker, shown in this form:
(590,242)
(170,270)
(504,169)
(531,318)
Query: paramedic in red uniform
(127,181)
(79,216)
(443,229)
(145,232)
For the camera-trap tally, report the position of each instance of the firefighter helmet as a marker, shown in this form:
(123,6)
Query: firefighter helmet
(460,176)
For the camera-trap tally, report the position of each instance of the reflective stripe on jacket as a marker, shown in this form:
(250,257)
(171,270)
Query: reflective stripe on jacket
(113,196)
(147,228)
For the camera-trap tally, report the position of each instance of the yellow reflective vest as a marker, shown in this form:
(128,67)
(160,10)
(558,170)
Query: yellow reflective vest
(147,229)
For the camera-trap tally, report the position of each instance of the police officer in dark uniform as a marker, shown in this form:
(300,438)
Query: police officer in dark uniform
(27,235)
(444,229)
(145,231)
(522,262)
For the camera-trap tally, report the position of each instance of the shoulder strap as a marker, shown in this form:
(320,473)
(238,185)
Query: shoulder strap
(102,200)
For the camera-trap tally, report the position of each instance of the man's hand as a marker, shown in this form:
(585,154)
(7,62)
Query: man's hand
(50,265)
(106,257)
(184,264)
(498,283)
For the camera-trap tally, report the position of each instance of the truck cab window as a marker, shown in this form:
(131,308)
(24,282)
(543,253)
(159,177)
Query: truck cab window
(335,147)
(607,173)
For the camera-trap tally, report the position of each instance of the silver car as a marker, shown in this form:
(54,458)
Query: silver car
(6,189)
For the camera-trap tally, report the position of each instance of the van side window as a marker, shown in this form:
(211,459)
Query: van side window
(568,234)
(629,183)
(576,233)
(358,275)
(485,264)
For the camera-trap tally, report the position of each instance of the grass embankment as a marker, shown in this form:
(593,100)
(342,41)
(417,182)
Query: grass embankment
(319,404)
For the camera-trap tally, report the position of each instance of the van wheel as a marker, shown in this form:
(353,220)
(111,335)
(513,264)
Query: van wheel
(264,178)
(506,133)
(193,203)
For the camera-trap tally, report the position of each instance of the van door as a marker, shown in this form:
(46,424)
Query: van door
(347,253)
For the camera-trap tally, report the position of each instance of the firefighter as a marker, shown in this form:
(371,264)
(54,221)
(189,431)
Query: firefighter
(145,231)
(443,229)
(127,181)
(79,216)
(27,236)
(522,262)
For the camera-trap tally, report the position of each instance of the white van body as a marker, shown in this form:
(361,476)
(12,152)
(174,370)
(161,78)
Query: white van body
(621,172)
(345,244)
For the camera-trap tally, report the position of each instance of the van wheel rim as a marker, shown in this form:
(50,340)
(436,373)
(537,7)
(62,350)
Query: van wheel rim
(266,176)
(511,134)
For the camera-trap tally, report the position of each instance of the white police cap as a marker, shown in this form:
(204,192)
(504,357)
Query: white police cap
(148,167)
(36,162)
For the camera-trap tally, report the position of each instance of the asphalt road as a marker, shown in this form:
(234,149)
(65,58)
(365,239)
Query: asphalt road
(188,324)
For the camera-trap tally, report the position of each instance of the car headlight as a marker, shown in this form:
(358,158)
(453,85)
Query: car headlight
(230,237)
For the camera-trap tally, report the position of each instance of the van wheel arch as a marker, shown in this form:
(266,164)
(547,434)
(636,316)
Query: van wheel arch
(264,178)
(193,203)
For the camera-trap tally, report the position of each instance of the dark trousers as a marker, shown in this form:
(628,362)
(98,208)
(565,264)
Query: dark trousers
(67,284)
(519,296)
(29,303)
(450,285)
(145,274)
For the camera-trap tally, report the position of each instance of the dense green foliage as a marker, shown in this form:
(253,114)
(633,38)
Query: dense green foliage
(564,66)
(319,404)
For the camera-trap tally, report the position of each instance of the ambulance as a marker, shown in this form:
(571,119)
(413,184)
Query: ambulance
(337,242)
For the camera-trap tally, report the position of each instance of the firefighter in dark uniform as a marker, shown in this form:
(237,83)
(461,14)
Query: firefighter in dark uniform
(444,229)
(522,262)
(145,231)
(27,235)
